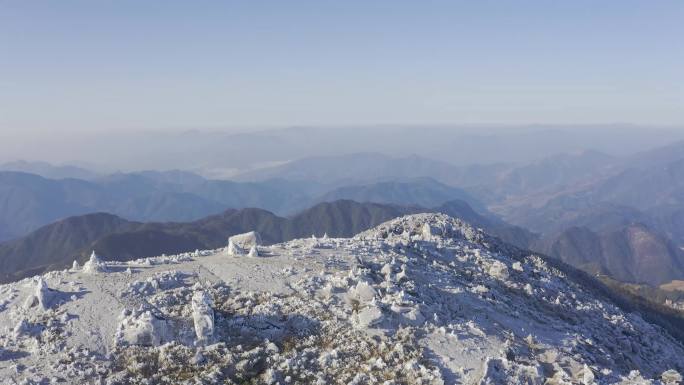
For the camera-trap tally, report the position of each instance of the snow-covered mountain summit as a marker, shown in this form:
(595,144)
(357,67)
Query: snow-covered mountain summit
(423,299)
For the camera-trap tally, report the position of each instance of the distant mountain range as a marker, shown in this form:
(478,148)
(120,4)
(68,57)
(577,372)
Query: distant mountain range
(616,215)
(645,188)
(57,245)
(621,216)
(425,192)
(357,168)
(48,170)
(29,201)
(632,254)
(490,183)
(646,180)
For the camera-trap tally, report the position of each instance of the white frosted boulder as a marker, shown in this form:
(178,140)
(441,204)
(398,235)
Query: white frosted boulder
(42,295)
(246,241)
(363,292)
(140,328)
(517,266)
(499,270)
(427,232)
(94,264)
(671,377)
(402,274)
(22,327)
(369,316)
(387,271)
(203,316)
(232,249)
(414,317)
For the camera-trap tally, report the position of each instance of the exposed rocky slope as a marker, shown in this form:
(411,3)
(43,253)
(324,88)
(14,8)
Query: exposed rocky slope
(667,301)
(633,253)
(423,299)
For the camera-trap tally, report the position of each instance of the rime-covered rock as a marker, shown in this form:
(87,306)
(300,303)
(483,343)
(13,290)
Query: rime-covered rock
(203,316)
(369,315)
(498,270)
(246,241)
(140,328)
(94,265)
(362,292)
(232,249)
(41,296)
(671,377)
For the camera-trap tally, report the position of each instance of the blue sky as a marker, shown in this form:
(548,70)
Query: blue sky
(106,65)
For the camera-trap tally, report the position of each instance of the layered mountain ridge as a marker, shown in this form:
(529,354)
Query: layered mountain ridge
(55,246)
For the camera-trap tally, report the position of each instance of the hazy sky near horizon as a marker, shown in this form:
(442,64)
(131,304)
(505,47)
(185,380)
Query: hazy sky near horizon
(130,64)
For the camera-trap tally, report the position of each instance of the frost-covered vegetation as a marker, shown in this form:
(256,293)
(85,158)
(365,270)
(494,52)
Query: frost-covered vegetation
(423,299)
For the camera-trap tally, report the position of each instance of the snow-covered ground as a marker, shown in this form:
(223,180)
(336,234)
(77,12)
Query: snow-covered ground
(424,299)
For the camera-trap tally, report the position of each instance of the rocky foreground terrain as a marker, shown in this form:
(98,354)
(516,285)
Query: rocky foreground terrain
(423,299)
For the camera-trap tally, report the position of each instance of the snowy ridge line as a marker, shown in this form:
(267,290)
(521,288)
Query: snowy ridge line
(493,243)
(422,299)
